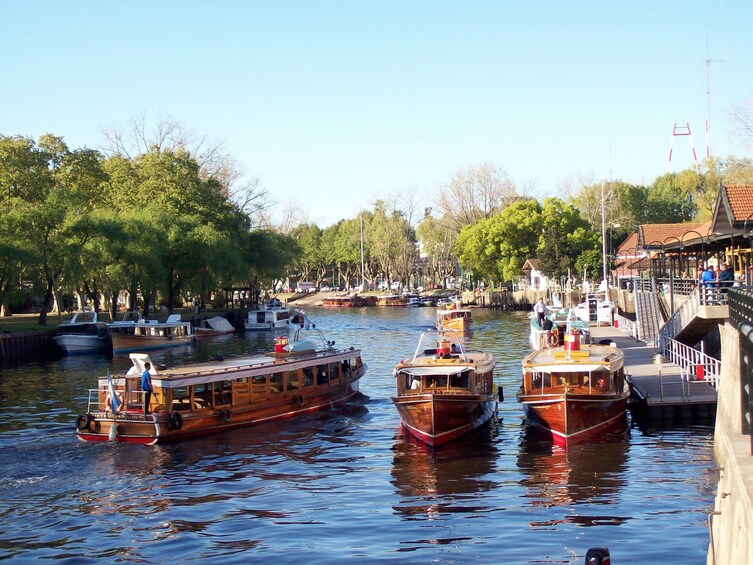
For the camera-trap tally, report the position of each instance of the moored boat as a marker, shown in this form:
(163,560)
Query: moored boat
(574,393)
(142,334)
(216,325)
(300,376)
(350,301)
(272,316)
(444,390)
(552,331)
(454,318)
(392,300)
(84,333)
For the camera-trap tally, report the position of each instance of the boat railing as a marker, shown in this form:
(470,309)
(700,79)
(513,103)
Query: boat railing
(133,403)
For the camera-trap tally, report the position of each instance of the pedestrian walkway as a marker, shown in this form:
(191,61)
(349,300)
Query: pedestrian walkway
(661,389)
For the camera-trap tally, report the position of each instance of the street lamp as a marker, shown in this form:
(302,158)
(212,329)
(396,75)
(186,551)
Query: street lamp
(672,277)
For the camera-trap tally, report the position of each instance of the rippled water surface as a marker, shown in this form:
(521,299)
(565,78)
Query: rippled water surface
(344,485)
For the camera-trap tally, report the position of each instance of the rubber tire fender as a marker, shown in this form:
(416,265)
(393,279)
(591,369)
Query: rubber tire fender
(83,421)
(176,421)
(298,399)
(226,415)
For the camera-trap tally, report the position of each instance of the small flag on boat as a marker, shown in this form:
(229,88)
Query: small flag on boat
(114,401)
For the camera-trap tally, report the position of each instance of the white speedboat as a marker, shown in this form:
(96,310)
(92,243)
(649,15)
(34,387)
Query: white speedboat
(83,334)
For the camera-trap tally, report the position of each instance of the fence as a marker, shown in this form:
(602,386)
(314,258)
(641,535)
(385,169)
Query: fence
(741,314)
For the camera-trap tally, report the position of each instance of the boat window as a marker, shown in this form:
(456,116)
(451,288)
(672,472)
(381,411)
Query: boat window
(181,400)
(202,395)
(275,383)
(345,368)
(322,376)
(539,380)
(459,381)
(293,380)
(334,371)
(437,382)
(223,393)
(308,376)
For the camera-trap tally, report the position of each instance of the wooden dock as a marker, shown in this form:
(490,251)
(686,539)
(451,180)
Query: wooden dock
(660,390)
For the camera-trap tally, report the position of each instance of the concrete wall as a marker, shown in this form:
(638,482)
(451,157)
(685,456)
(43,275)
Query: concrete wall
(731,532)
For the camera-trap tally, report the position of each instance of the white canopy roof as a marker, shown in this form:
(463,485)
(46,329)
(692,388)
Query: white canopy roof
(439,370)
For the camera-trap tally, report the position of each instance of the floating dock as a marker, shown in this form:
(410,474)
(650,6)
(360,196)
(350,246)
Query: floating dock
(660,390)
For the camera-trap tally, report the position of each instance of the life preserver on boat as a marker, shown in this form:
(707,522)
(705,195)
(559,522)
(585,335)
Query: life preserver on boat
(441,354)
(553,340)
(83,421)
(226,415)
(298,399)
(176,420)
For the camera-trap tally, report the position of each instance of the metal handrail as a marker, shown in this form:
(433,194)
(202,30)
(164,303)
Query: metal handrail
(693,363)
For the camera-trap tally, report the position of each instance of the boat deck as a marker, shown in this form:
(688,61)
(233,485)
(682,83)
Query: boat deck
(662,389)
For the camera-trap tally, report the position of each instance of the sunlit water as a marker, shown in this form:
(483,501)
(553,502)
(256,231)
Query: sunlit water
(343,485)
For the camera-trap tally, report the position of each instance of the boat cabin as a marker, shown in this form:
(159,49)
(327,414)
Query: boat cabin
(240,384)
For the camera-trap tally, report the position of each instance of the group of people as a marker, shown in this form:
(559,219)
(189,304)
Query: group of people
(721,277)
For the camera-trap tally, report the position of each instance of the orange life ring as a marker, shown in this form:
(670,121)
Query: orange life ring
(553,340)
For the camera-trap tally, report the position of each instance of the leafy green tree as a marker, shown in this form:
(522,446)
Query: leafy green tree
(564,237)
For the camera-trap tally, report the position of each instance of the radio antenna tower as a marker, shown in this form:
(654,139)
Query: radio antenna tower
(682,131)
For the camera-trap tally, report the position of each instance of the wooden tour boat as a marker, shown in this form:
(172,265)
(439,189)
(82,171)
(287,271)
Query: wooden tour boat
(454,318)
(392,300)
(444,390)
(350,301)
(83,334)
(574,392)
(298,377)
(139,335)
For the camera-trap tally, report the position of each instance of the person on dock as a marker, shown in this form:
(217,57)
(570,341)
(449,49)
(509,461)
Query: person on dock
(726,278)
(146,386)
(540,309)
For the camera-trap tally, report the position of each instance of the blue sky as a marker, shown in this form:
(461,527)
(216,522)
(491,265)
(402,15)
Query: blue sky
(335,104)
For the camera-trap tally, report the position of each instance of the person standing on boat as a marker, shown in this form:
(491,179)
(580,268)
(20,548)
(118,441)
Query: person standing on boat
(146,386)
(540,309)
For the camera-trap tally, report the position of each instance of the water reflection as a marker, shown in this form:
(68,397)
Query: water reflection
(583,474)
(452,479)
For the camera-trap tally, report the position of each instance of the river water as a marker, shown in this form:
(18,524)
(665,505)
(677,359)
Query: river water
(343,485)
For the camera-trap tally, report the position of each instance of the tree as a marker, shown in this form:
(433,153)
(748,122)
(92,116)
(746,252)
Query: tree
(496,248)
(473,194)
(565,236)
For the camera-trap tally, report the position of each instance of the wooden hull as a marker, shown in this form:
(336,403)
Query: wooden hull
(205,332)
(571,418)
(122,343)
(436,419)
(343,302)
(135,427)
(401,301)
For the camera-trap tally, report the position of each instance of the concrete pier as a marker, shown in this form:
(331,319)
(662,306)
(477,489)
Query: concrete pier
(660,390)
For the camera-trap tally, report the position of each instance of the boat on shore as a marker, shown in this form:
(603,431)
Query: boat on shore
(392,300)
(301,375)
(454,318)
(216,325)
(444,391)
(84,333)
(574,393)
(138,334)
